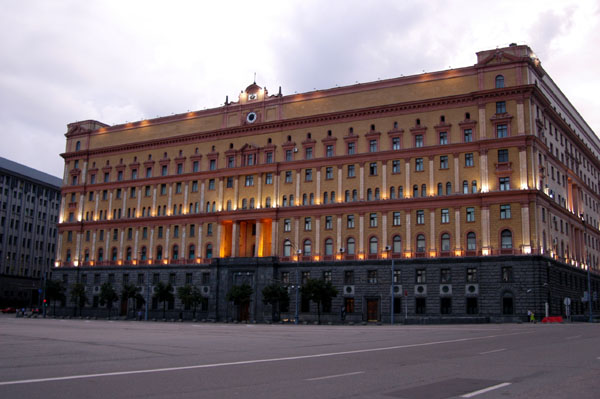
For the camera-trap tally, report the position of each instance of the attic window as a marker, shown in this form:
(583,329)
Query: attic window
(351,130)
(467,116)
(269,140)
(289,138)
(308,135)
(329,132)
(149,157)
(180,152)
(213,148)
(395,125)
(372,128)
(196,150)
(442,119)
(165,155)
(134,159)
(418,122)
(230,145)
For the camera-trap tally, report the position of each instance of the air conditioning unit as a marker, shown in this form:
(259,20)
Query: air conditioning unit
(295,149)
(388,248)
(420,290)
(205,289)
(445,289)
(342,250)
(397,290)
(472,289)
(97,288)
(348,290)
(299,252)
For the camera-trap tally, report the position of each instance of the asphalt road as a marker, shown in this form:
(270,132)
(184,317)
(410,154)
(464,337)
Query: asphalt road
(105,359)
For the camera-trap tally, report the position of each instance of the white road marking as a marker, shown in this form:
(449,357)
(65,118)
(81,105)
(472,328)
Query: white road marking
(334,376)
(484,390)
(494,351)
(244,362)
(574,337)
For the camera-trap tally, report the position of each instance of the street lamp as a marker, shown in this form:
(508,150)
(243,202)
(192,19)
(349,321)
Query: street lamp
(296,316)
(587,264)
(388,249)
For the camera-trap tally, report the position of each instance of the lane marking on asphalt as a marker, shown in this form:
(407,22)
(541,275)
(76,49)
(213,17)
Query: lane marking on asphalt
(484,390)
(334,376)
(494,351)
(256,361)
(574,337)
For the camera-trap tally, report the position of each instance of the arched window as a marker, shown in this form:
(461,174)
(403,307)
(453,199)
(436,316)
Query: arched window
(191,252)
(332,196)
(465,187)
(506,239)
(284,201)
(354,195)
(347,196)
(207,208)
(350,246)
(420,243)
(244,203)
(68,255)
(474,186)
(471,242)
(228,205)
(114,254)
(326,197)
(175,254)
(392,192)
(373,245)
(251,203)
(292,200)
(209,250)
(445,242)
(397,244)
(415,191)
(369,194)
(214,206)
(377,194)
(268,202)
(499,82)
(311,200)
(328,247)
(144,253)
(400,192)
(128,253)
(448,188)
(159,253)
(304,199)
(86,257)
(440,190)
(287,248)
(307,251)
(100,254)
(78,146)
(423,190)
(190,209)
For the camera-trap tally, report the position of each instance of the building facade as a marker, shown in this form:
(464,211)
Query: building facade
(478,174)
(29,207)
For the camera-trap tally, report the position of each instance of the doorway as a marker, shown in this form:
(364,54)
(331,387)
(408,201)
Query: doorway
(373,309)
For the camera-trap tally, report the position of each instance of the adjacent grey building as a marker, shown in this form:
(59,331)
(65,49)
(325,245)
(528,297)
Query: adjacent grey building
(29,207)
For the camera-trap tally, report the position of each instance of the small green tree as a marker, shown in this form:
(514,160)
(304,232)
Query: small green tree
(190,297)
(55,291)
(319,291)
(108,296)
(78,297)
(239,295)
(164,294)
(129,293)
(277,296)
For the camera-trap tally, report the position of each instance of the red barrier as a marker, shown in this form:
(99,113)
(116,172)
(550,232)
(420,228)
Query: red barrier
(552,319)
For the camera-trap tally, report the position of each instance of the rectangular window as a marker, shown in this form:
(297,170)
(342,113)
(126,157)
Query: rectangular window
(507,274)
(470,214)
(179,168)
(147,190)
(307,224)
(308,175)
(288,155)
(443,138)
(395,143)
(269,178)
(195,166)
(212,165)
(372,276)
(164,170)
(420,217)
(373,169)
(348,277)
(471,275)
(106,177)
(178,188)
(269,158)
(249,181)
(397,219)
(209,229)
(469,159)
(231,162)
(468,135)
(229,183)
(211,184)
(288,176)
(350,221)
(160,231)
(444,162)
(192,230)
(419,165)
(419,140)
(373,220)
(120,175)
(328,222)
(396,166)
(195,186)
(308,153)
(421,276)
(351,148)
(351,171)
(445,216)
(501,107)
(372,145)
(287,225)
(329,151)
(145,233)
(505,211)
(329,173)
(445,276)
(503,155)
(501,130)
(504,183)
(163,189)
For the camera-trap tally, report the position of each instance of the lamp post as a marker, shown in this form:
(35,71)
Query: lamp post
(587,265)
(389,252)
(296,316)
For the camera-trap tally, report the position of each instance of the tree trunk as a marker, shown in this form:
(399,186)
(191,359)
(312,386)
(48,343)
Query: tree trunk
(319,312)
(164,309)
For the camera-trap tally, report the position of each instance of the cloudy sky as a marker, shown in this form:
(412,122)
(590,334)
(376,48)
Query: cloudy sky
(118,61)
